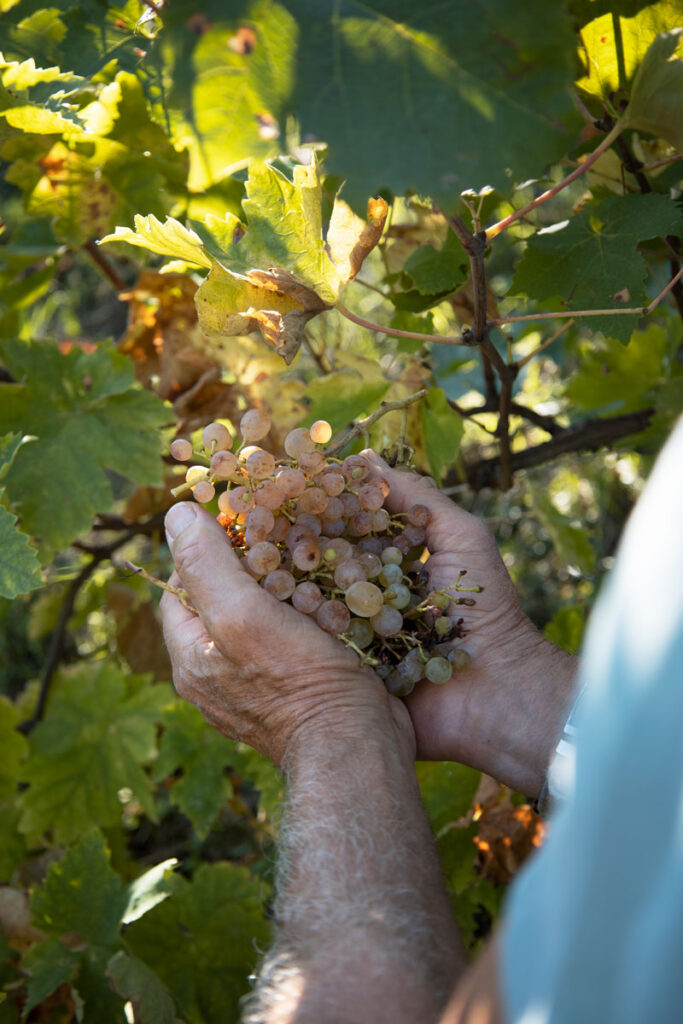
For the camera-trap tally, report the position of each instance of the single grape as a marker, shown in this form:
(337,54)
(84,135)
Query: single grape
(321,432)
(392,556)
(363,598)
(355,467)
(306,555)
(402,543)
(291,482)
(263,558)
(181,450)
(240,499)
(398,685)
(370,497)
(280,527)
(203,491)
(391,573)
(348,572)
(361,632)
(254,425)
(332,483)
(311,522)
(313,500)
(460,659)
(312,462)
(438,599)
(333,616)
(387,622)
(361,523)
(336,550)
(297,442)
(443,625)
(223,465)
(216,436)
(296,534)
(336,528)
(307,597)
(383,485)
(194,474)
(438,670)
(415,535)
(334,510)
(269,495)
(350,503)
(418,515)
(380,520)
(280,584)
(260,464)
(412,666)
(261,520)
(397,595)
(372,565)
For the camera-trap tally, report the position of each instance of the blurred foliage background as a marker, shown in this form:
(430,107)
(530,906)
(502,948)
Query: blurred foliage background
(136,845)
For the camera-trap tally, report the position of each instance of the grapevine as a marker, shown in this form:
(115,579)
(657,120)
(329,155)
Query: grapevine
(314,530)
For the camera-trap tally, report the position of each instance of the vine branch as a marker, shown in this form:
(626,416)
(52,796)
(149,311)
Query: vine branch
(587,436)
(496,229)
(360,427)
(633,311)
(103,264)
(394,332)
(56,649)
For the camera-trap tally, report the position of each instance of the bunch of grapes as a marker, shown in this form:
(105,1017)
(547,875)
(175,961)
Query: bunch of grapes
(314,531)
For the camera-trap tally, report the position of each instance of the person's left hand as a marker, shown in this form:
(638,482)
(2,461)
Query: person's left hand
(257,669)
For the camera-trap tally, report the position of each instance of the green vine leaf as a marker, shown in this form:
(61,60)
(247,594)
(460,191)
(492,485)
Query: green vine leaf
(97,735)
(48,964)
(443,431)
(82,894)
(140,987)
(14,748)
(462,94)
(19,565)
(189,745)
(87,418)
(592,262)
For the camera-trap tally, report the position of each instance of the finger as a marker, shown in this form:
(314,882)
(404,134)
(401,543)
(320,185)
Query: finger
(182,629)
(450,528)
(208,567)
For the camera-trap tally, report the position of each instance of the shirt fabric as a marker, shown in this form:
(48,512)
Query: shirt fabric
(594,925)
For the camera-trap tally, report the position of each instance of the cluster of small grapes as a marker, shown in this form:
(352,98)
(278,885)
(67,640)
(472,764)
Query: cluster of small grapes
(314,531)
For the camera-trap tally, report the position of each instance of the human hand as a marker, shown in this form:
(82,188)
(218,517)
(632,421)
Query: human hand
(257,669)
(504,713)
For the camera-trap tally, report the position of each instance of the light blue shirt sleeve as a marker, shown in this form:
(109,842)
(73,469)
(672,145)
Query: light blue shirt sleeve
(594,927)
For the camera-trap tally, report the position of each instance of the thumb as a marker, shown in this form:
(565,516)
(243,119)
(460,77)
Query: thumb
(208,568)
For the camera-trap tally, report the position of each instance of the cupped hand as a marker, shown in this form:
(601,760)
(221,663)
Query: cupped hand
(503,713)
(257,669)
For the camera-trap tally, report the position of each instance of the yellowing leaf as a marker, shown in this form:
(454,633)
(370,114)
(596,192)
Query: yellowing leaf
(350,239)
(168,239)
(231,304)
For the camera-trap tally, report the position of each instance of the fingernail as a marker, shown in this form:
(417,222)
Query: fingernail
(178,517)
(373,457)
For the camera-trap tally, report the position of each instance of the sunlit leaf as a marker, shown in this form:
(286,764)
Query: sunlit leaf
(656,103)
(443,431)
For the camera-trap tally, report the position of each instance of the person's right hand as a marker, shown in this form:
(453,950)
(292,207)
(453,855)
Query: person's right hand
(505,712)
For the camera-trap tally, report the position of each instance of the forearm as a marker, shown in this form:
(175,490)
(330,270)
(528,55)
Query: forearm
(364,928)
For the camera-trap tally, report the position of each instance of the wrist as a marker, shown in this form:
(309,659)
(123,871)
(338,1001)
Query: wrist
(538,685)
(371,720)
